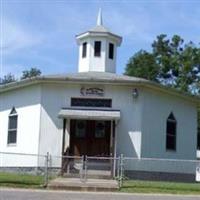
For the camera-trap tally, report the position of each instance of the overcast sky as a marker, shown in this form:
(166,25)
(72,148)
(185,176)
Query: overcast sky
(41,33)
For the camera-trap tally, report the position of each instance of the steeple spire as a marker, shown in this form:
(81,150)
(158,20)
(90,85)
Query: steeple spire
(99,18)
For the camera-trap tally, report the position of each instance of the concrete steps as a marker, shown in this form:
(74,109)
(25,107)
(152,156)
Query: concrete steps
(91,174)
(89,185)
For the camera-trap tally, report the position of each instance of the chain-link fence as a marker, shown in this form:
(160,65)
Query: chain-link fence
(157,169)
(40,169)
(23,169)
(85,167)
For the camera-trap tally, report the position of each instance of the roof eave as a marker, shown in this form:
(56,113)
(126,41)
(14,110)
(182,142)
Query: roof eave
(172,91)
(139,83)
(101,34)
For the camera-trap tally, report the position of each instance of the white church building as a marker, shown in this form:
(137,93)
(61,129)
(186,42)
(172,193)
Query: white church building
(96,112)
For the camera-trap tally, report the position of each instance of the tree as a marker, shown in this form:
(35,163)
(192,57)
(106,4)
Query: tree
(9,78)
(144,66)
(172,63)
(179,63)
(33,72)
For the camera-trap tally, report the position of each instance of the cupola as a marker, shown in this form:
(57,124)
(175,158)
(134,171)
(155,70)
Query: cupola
(98,48)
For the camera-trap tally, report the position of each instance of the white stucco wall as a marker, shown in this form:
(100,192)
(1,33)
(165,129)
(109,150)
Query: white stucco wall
(27,104)
(83,63)
(56,96)
(157,107)
(140,133)
(155,111)
(51,129)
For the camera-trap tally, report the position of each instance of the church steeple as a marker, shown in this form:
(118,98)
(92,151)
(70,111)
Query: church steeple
(99,18)
(98,48)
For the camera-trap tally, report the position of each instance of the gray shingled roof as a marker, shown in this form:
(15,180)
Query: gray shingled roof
(100,29)
(96,76)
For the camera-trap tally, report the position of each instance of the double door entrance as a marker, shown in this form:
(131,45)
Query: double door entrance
(90,137)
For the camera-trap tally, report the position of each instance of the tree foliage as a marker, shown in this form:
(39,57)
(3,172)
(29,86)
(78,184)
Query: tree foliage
(172,62)
(33,72)
(9,78)
(144,66)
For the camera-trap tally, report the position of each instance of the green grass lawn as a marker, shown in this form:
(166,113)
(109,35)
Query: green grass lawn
(31,181)
(160,187)
(21,180)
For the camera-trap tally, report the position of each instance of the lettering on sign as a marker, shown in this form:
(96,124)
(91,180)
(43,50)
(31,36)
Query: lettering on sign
(92,91)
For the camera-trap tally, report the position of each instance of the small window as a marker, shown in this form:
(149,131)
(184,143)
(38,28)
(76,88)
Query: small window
(97,48)
(87,102)
(111,51)
(84,51)
(171,133)
(12,127)
(80,128)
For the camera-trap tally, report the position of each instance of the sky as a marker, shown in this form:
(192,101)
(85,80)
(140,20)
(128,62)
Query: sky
(41,33)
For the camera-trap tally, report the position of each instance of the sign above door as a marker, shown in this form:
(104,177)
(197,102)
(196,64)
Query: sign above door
(91,91)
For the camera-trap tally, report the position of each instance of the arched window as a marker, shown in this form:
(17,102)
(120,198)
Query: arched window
(12,127)
(171,132)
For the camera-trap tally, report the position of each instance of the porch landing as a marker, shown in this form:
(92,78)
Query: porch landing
(89,185)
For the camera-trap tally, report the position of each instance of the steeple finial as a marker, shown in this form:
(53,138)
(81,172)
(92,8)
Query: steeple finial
(99,18)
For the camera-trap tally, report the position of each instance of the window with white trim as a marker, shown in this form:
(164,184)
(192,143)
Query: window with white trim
(12,127)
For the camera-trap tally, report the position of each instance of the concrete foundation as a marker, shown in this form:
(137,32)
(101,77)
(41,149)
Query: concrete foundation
(159,176)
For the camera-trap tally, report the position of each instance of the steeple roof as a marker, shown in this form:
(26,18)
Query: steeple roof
(99,25)
(99,29)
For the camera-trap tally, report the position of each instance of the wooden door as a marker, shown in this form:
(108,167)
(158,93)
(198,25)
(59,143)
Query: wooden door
(98,143)
(90,137)
(78,141)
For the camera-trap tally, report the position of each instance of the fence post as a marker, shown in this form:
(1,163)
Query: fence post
(46,169)
(121,170)
(85,169)
(81,168)
(118,167)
